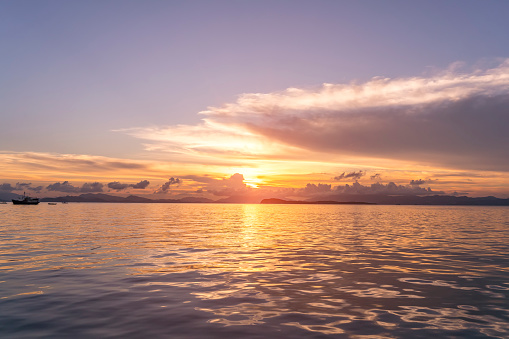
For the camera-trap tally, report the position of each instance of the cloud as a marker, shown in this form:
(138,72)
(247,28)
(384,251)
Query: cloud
(66,187)
(63,187)
(234,185)
(167,185)
(201,178)
(115,185)
(50,165)
(376,176)
(92,187)
(141,185)
(28,186)
(6,187)
(417,182)
(388,189)
(311,189)
(453,120)
(352,175)
(391,188)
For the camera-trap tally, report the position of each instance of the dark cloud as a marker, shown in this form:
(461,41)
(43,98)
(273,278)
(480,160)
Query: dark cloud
(20,186)
(115,185)
(417,182)
(376,176)
(467,133)
(6,187)
(352,175)
(141,185)
(167,185)
(66,187)
(27,186)
(23,185)
(63,187)
(357,188)
(92,187)
(388,189)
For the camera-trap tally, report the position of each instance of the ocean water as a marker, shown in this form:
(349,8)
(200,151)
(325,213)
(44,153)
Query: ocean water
(253,271)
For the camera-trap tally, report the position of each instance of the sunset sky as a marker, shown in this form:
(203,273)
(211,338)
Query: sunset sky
(290,99)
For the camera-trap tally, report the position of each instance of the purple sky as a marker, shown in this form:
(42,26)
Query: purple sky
(74,70)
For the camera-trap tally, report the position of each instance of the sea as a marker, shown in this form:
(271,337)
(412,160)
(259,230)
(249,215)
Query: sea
(105,270)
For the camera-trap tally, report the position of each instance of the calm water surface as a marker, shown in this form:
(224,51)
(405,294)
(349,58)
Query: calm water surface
(253,271)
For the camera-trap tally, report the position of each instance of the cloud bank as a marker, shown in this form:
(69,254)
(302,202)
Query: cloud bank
(453,120)
(7,187)
(66,187)
(356,188)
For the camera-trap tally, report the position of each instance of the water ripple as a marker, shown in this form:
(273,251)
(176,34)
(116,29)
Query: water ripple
(160,270)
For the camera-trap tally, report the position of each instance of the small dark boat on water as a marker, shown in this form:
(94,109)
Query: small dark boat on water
(25,200)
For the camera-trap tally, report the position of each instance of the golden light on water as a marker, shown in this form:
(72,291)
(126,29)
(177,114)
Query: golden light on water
(247,265)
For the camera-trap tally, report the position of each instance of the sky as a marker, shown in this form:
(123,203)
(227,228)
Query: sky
(290,99)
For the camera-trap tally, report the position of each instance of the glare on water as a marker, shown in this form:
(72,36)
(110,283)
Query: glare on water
(208,270)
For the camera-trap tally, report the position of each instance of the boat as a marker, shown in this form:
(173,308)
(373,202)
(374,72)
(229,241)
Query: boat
(25,200)
(52,203)
(3,202)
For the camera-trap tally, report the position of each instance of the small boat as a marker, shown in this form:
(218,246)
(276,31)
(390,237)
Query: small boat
(2,203)
(25,200)
(52,203)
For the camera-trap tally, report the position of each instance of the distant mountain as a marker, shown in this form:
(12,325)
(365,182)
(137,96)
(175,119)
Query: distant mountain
(255,199)
(7,196)
(401,200)
(100,197)
(325,202)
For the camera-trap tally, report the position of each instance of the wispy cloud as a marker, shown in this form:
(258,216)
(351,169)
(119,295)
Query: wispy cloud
(454,120)
(352,175)
(77,167)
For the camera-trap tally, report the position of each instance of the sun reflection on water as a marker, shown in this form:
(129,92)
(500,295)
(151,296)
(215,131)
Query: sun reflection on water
(326,269)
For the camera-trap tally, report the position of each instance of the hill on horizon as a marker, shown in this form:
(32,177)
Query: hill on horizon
(343,199)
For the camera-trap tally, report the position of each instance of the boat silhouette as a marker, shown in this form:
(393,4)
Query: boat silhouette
(25,200)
